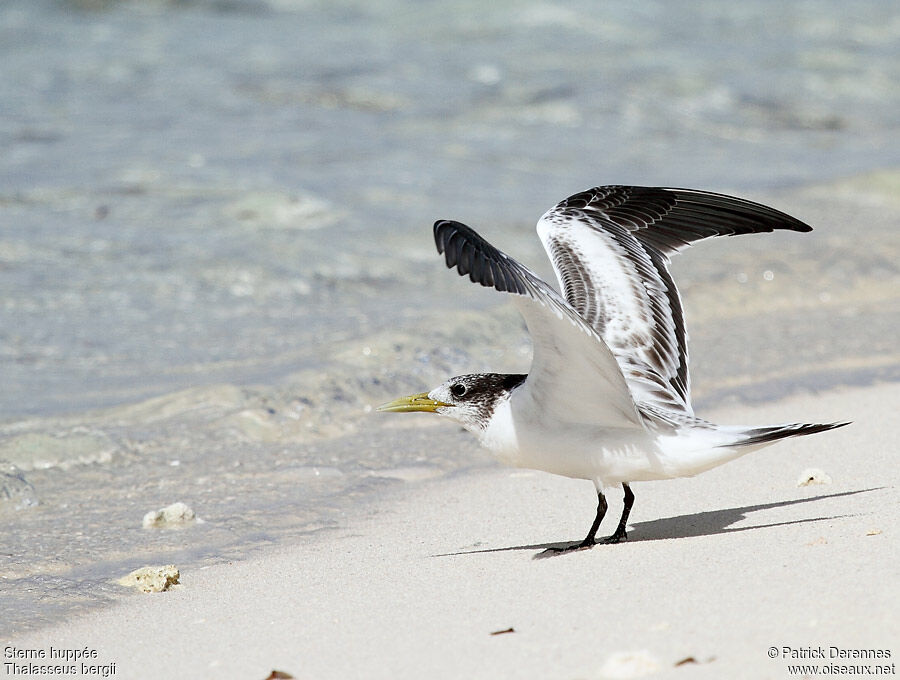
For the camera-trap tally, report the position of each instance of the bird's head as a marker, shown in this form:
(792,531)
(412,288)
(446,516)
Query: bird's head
(470,400)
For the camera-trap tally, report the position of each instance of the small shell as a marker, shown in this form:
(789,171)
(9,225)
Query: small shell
(811,476)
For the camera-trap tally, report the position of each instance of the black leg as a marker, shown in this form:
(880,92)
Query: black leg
(589,540)
(620,533)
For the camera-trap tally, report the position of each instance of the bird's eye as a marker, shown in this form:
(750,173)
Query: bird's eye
(458,390)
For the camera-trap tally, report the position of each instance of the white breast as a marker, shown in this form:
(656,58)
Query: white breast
(522,435)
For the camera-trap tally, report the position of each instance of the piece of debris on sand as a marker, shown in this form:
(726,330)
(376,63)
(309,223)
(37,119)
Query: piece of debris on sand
(151,579)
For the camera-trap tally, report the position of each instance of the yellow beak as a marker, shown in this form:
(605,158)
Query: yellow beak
(414,402)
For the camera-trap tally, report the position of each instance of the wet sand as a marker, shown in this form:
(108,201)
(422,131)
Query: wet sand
(447,580)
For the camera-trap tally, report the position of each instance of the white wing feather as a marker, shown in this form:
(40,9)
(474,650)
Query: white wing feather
(573,373)
(610,249)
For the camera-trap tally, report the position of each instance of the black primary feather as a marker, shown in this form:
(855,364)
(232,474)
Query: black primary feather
(764,435)
(470,254)
(670,219)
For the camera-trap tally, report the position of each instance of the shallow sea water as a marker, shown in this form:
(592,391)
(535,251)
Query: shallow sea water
(215,248)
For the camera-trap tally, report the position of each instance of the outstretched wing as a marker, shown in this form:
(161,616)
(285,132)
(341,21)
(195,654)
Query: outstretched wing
(573,373)
(610,248)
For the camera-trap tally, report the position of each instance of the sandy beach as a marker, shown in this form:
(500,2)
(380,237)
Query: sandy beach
(446,580)
(216,260)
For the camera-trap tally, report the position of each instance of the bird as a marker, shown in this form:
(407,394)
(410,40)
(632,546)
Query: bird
(607,396)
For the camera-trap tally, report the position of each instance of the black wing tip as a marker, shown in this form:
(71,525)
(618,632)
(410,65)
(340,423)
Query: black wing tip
(441,233)
(771,434)
(467,252)
(824,427)
(722,206)
(462,249)
(773,218)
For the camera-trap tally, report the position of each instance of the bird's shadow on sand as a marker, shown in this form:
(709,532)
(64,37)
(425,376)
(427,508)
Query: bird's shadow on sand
(708,523)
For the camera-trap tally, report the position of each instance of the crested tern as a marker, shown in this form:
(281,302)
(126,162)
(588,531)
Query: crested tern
(607,397)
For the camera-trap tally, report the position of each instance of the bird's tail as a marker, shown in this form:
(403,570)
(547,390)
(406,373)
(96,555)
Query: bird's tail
(766,435)
(705,448)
